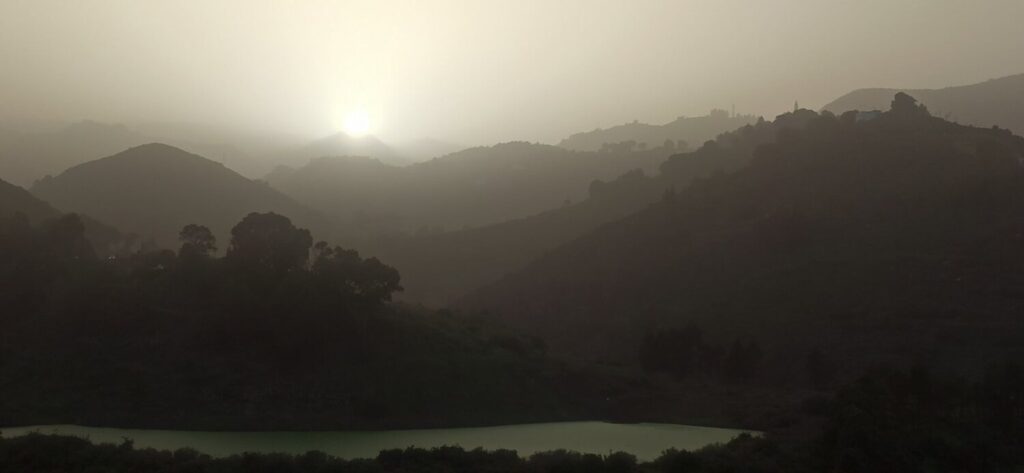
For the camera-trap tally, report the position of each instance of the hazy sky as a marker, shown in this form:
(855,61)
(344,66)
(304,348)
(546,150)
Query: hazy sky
(478,71)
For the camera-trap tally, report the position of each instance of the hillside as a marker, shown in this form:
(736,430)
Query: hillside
(690,131)
(440,269)
(25,157)
(437,270)
(154,190)
(996,102)
(891,240)
(28,156)
(14,200)
(473,187)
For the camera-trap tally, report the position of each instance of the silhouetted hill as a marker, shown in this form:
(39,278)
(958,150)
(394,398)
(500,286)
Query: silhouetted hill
(893,239)
(996,102)
(28,156)
(440,269)
(14,199)
(25,157)
(155,189)
(473,187)
(692,131)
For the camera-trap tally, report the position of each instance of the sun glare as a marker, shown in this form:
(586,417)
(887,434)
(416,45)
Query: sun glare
(357,123)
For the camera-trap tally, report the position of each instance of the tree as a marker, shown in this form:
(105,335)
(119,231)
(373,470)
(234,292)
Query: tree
(343,273)
(196,241)
(903,105)
(267,247)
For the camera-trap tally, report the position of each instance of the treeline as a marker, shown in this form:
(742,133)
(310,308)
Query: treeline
(899,421)
(278,333)
(271,278)
(37,452)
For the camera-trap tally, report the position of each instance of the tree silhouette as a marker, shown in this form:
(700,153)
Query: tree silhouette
(905,106)
(266,246)
(343,273)
(197,240)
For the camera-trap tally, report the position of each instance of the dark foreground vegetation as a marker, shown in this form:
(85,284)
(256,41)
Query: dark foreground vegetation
(887,421)
(279,333)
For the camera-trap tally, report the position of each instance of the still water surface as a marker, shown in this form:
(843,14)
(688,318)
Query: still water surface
(646,441)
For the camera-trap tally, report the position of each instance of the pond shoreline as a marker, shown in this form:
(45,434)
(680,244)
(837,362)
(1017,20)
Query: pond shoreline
(645,440)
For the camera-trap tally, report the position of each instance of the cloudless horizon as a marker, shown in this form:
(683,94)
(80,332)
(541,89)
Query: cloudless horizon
(481,72)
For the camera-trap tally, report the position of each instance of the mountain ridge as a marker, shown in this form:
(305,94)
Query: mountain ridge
(995,102)
(683,131)
(155,189)
(828,232)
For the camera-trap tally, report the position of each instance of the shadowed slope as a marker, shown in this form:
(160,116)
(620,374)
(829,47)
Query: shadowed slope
(906,222)
(14,200)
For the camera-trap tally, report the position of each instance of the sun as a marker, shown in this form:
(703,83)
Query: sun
(357,123)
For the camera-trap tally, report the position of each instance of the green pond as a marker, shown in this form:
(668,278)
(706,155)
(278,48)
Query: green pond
(646,441)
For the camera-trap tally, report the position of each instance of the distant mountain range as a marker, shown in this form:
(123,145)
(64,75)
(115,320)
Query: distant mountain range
(684,132)
(154,190)
(25,157)
(473,187)
(996,102)
(28,156)
(425,149)
(441,269)
(343,145)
